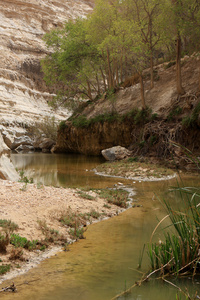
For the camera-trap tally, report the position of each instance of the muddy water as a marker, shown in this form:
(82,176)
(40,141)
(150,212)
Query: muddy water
(105,263)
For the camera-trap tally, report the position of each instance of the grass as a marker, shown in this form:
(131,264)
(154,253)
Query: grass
(4,269)
(132,168)
(137,116)
(118,197)
(85,195)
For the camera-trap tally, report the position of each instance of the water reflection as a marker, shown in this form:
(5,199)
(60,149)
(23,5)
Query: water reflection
(61,169)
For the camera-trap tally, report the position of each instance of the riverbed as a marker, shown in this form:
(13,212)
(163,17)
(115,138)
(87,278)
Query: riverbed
(105,263)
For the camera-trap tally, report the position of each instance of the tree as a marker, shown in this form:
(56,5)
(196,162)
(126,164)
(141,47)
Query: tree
(71,64)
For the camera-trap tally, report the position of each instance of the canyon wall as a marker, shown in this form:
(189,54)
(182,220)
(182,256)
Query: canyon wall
(24,96)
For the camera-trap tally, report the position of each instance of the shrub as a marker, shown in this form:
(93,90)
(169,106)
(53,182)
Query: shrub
(16,253)
(51,235)
(77,232)
(4,241)
(192,120)
(62,125)
(22,242)
(4,269)
(8,225)
(175,112)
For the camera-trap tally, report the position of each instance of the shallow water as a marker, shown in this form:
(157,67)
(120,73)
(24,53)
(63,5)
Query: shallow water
(104,264)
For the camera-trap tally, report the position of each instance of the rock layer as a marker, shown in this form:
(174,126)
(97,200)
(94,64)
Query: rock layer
(93,139)
(23,94)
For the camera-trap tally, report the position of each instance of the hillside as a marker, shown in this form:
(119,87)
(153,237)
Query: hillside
(152,134)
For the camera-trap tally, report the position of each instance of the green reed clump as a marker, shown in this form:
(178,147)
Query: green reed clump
(180,250)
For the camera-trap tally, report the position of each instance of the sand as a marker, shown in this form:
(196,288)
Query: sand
(27,204)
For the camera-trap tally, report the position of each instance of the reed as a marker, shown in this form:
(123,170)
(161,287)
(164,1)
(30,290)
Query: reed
(180,250)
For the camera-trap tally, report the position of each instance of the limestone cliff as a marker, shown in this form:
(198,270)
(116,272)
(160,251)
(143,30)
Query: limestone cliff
(23,94)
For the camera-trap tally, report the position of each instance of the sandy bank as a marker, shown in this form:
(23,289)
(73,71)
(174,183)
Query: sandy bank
(26,204)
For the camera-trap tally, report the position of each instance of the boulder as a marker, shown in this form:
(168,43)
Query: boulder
(115,153)
(47,144)
(38,140)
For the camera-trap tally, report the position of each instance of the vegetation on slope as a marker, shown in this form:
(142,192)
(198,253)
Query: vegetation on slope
(117,41)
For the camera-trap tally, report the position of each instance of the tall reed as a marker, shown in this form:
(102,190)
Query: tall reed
(180,250)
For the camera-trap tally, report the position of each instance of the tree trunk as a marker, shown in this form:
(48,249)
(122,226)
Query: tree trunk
(180,89)
(104,79)
(151,70)
(110,76)
(98,85)
(142,91)
(89,90)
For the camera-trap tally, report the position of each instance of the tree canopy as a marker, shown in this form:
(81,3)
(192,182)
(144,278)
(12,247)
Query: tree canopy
(92,55)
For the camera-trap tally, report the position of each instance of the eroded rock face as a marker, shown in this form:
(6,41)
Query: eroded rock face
(93,139)
(23,94)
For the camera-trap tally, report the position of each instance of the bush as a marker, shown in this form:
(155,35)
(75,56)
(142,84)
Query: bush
(4,241)
(4,269)
(192,120)
(62,125)
(8,225)
(22,242)
(77,232)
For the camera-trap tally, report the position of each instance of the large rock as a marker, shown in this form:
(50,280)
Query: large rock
(115,153)
(47,144)
(7,170)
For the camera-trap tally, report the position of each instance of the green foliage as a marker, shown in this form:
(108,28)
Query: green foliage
(192,120)
(153,139)
(138,116)
(94,214)
(4,242)
(51,235)
(170,64)
(132,159)
(81,121)
(120,38)
(86,195)
(179,250)
(71,219)
(175,112)
(77,232)
(62,125)
(19,241)
(8,225)
(4,269)
(24,179)
(117,197)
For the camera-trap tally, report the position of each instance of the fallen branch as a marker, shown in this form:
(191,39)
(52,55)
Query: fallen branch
(138,283)
(12,288)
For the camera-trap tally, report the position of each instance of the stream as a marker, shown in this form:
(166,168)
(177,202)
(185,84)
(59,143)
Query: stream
(105,262)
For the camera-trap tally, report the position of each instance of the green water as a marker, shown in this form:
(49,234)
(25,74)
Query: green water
(105,263)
